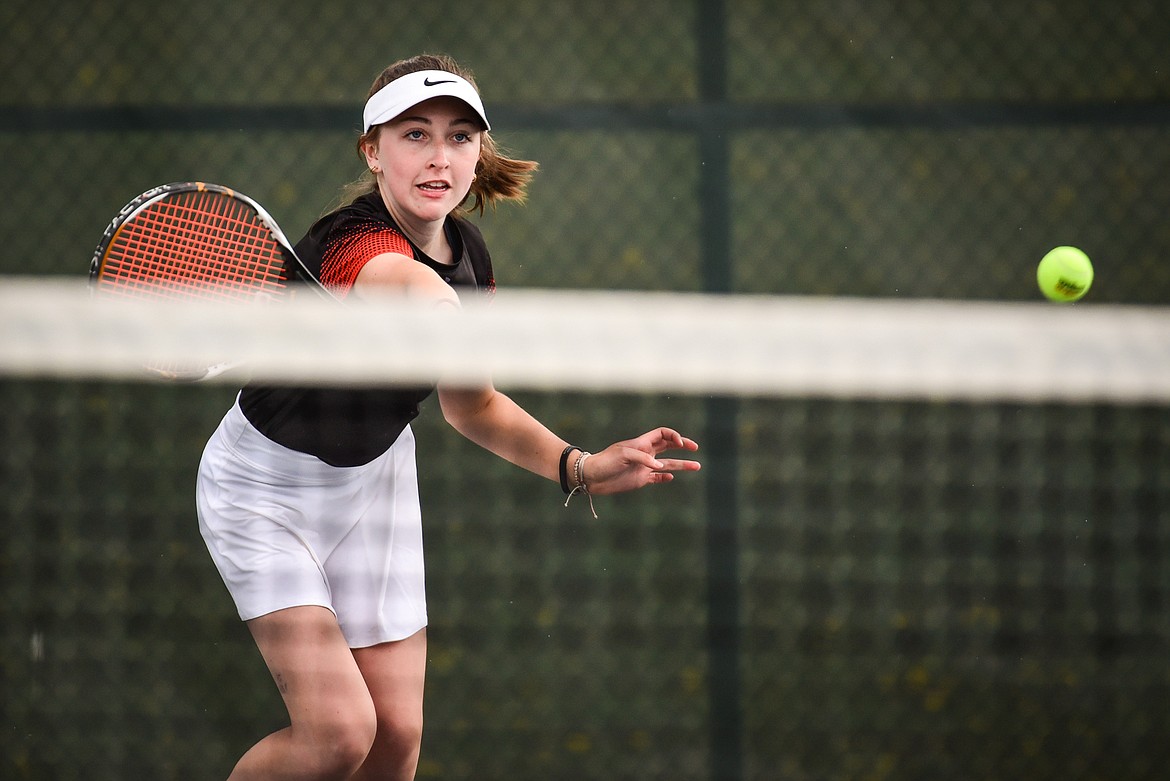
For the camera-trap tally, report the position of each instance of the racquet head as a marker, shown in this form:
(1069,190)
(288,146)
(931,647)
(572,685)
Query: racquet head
(195,241)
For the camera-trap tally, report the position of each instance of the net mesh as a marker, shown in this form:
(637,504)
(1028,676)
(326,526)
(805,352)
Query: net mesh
(947,577)
(902,563)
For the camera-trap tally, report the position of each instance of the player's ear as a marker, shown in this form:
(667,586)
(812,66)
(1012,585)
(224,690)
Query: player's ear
(370,149)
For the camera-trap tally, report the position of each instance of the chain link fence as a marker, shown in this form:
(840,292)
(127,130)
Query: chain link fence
(852,590)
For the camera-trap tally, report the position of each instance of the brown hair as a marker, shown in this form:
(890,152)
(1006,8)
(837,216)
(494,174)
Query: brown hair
(497,177)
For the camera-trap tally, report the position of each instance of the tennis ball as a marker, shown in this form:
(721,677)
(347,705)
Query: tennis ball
(1065,274)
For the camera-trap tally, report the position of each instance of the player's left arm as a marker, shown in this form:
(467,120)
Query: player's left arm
(494,421)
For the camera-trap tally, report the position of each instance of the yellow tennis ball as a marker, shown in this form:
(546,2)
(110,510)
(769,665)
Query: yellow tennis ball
(1065,274)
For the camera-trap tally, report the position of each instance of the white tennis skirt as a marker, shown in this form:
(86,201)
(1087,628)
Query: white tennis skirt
(286,529)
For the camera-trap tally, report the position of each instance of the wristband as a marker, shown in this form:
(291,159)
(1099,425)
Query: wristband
(563,468)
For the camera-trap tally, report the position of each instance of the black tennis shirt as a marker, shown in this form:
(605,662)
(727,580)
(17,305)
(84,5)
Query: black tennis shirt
(353,426)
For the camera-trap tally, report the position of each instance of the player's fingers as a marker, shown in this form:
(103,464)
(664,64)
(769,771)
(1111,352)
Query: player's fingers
(637,457)
(679,465)
(663,438)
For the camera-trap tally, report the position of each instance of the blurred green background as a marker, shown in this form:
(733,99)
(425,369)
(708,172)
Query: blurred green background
(850,590)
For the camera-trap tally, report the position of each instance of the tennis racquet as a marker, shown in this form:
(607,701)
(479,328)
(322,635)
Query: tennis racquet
(195,241)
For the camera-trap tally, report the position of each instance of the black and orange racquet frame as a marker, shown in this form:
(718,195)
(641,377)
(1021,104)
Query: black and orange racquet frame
(196,241)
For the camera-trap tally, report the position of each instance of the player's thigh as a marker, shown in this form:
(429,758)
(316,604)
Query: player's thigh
(314,669)
(395,673)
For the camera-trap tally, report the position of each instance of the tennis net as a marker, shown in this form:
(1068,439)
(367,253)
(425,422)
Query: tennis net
(606,341)
(929,538)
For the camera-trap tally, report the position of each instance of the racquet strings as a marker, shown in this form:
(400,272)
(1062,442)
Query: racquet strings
(195,245)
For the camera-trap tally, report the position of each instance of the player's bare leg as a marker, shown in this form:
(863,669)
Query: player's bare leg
(332,715)
(394,673)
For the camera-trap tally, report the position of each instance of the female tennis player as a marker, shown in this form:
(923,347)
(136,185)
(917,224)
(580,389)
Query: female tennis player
(308,497)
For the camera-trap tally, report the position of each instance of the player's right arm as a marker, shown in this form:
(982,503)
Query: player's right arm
(391,272)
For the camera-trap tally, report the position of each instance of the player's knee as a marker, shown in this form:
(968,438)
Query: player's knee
(342,745)
(402,734)
(354,746)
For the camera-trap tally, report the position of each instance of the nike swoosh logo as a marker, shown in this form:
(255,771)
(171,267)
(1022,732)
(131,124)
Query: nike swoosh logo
(428,83)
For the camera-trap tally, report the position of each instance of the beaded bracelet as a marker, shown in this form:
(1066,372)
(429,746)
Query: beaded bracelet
(579,479)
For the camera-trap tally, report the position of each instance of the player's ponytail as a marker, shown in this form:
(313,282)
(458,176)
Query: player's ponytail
(498,177)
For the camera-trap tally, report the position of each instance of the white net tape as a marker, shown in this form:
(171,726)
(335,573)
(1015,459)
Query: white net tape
(636,342)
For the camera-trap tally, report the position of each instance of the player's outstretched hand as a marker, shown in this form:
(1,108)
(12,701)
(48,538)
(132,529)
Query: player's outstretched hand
(634,463)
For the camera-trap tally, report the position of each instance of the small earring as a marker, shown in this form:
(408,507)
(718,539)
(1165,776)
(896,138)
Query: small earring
(375,169)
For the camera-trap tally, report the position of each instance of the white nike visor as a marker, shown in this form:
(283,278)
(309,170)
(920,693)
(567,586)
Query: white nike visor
(412,89)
